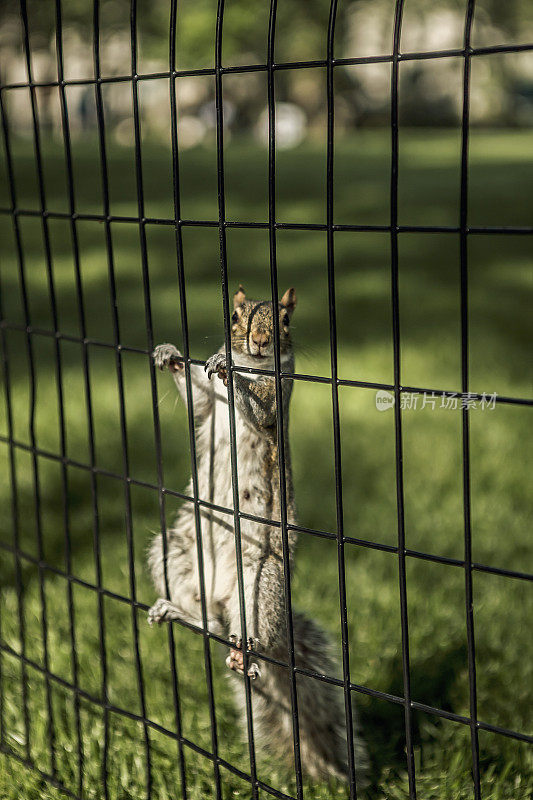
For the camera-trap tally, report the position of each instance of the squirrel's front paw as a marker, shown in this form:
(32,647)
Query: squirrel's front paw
(217,363)
(162,611)
(166,355)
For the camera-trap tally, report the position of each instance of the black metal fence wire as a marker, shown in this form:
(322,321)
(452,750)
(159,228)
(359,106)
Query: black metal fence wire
(467,52)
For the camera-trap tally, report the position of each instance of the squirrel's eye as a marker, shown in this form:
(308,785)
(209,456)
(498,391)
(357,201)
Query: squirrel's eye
(286,320)
(234,317)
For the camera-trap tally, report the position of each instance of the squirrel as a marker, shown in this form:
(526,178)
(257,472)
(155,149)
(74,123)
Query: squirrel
(322,731)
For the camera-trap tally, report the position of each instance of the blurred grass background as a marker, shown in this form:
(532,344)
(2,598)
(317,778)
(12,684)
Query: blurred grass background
(500,288)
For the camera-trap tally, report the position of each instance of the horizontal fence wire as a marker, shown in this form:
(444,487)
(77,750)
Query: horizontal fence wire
(516,230)
(293,376)
(316,63)
(202,507)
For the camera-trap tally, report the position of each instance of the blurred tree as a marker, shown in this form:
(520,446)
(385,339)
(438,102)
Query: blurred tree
(301,34)
(245,30)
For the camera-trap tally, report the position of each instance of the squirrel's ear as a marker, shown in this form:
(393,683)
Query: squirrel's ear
(239,297)
(288,301)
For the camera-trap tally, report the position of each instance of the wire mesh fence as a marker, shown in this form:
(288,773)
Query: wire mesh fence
(234,515)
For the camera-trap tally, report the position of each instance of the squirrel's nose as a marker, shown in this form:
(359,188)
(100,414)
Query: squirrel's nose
(260,339)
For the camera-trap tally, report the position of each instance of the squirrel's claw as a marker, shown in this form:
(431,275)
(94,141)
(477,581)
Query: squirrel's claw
(217,363)
(254,671)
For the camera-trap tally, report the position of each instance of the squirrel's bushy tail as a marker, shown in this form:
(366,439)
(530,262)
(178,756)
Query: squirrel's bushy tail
(321,710)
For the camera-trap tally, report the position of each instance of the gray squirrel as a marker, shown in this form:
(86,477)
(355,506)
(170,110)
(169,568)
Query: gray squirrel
(323,747)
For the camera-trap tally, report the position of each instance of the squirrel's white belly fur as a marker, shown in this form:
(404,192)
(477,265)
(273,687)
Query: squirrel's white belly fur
(256,497)
(258,484)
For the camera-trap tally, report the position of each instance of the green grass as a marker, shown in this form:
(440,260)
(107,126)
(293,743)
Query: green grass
(500,295)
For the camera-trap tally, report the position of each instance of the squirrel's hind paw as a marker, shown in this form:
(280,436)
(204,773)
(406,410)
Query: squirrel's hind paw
(235,660)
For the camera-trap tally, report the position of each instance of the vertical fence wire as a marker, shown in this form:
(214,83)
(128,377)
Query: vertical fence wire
(280,422)
(64,476)
(89,413)
(2,686)
(397,396)
(2,690)
(53,308)
(335,400)
(123,426)
(19,585)
(90,419)
(219,105)
(179,254)
(150,342)
(113,308)
(190,408)
(463,212)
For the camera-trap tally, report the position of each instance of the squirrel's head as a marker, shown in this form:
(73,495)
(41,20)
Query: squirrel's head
(252,326)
